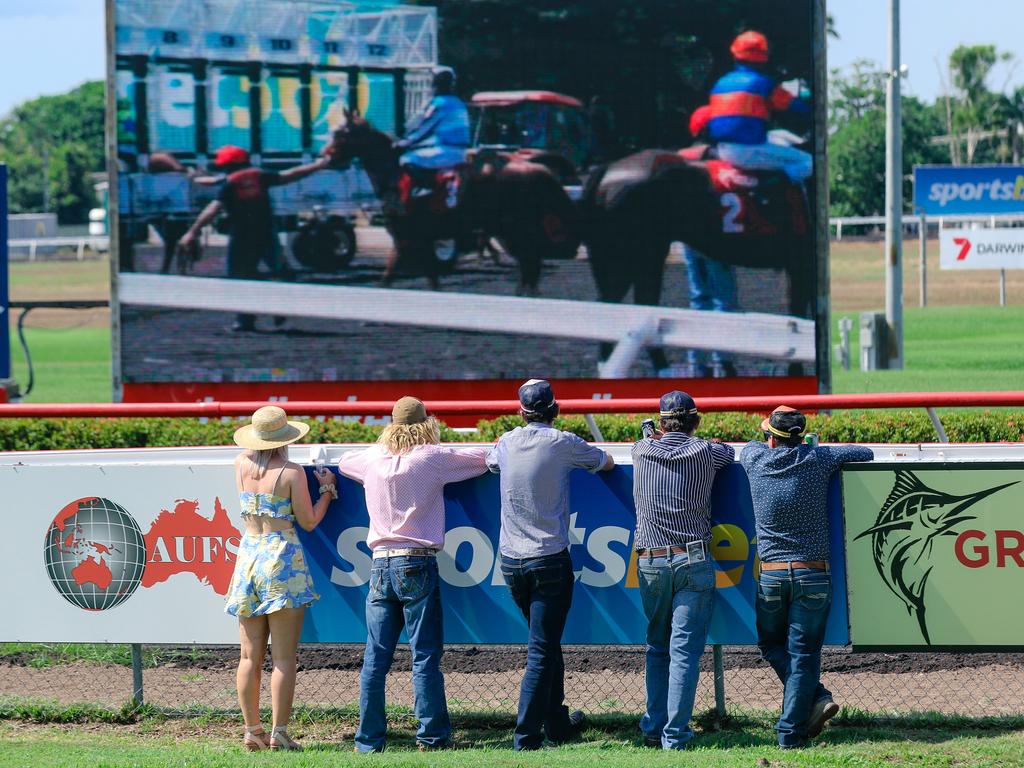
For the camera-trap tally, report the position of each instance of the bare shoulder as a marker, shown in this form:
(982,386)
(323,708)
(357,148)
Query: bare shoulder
(293,473)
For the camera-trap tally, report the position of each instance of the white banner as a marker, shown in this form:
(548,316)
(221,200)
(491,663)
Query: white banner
(1001,248)
(83,544)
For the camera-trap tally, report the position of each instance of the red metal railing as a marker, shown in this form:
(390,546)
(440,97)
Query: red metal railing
(928,400)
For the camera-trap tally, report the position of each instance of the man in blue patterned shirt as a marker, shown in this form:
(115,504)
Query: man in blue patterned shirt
(673,472)
(789,483)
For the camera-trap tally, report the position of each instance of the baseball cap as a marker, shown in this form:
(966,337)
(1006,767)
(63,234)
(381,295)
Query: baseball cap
(785,422)
(536,396)
(409,410)
(231,155)
(676,403)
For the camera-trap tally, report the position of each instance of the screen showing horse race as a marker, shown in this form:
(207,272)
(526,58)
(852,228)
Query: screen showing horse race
(335,199)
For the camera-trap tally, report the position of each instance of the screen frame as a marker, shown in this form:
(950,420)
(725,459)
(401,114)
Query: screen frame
(819,204)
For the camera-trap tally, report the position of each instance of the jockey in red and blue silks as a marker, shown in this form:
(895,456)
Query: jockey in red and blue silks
(740,105)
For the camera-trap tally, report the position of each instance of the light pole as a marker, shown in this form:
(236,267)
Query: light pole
(894,195)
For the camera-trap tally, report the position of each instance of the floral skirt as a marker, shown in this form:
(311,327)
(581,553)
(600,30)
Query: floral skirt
(270,574)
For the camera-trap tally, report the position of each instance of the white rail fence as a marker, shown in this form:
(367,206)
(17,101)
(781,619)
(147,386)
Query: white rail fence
(912,221)
(630,327)
(920,224)
(47,246)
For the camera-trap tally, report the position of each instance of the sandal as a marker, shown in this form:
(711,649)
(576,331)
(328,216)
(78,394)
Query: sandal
(280,740)
(255,739)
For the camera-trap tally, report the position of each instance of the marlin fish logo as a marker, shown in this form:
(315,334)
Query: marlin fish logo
(902,538)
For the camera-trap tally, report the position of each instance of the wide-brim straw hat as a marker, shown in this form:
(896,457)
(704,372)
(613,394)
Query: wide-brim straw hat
(270,429)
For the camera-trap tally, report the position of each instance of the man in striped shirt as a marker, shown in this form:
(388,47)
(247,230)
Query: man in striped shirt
(673,472)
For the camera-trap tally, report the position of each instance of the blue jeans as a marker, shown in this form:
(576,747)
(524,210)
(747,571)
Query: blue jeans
(712,287)
(792,610)
(542,590)
(404,591)
(678,599)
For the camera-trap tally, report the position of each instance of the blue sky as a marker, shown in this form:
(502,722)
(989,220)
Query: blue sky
(49,46)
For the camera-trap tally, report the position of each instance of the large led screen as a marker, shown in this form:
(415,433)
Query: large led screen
(343,196)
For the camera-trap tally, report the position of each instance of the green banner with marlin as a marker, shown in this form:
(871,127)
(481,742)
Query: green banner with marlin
(935,555)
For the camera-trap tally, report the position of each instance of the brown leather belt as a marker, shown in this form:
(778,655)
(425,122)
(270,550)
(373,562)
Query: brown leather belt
(820,565)
(661,551)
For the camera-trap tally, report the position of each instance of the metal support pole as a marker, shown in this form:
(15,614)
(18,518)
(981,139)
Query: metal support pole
(894,196)
(922,248)
(595,430)
(939,429)
(716,652)
(137,698)
(1002,287)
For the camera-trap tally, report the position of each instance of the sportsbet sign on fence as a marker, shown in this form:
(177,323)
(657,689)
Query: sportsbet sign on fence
(935,554)
(969,190)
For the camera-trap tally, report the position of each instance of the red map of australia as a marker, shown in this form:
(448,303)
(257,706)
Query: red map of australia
(185,541)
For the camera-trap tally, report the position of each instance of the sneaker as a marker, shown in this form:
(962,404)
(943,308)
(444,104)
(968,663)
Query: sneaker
(653,742)
(822,711)
(359,751)
(577,724)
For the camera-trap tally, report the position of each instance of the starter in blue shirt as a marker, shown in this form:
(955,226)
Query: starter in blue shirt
(534,463)
(789,488)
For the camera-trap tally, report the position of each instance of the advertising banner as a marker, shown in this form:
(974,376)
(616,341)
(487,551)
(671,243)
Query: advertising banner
(934,555)
(978,190)
(377,153)
(143,551)
(1001,248)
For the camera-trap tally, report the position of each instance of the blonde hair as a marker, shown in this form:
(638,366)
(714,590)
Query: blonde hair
(399,438)
(260,460)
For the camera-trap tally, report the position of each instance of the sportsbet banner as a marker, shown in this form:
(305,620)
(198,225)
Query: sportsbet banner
(142,551)
(935,554)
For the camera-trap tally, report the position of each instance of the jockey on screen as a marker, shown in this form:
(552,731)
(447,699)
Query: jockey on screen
(439,137)
(740,105)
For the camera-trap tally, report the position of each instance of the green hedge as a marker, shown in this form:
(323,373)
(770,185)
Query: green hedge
(968,426)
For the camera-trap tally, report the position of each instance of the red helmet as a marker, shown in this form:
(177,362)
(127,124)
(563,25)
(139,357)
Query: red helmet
(231,155)
(750,46)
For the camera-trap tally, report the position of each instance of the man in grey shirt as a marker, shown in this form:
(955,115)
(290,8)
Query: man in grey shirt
(534,462)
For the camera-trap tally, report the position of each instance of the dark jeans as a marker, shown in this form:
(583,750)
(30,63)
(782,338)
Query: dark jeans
(542,588)
(404,591)
(244,258)
(792,610)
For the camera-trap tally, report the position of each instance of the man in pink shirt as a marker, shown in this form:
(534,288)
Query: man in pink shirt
(403,477)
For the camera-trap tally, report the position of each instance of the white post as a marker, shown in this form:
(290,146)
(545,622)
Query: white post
(1002,287)
(922,248)
(894,196)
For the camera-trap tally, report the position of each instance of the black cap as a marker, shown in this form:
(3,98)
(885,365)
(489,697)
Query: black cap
(676,403)
(785,422)
(536,396)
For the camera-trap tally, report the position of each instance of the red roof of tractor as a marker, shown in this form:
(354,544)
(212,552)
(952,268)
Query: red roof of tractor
(507,98)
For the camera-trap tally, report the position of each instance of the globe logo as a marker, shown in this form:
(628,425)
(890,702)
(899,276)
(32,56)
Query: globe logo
(95,554)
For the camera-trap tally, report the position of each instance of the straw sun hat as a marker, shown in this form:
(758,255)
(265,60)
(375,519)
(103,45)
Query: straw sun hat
(269,429)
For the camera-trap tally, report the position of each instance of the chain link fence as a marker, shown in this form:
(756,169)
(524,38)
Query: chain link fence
(198,680)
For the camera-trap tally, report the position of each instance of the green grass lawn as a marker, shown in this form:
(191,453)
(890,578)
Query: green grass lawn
(486,743)
(947,349)
(72,365)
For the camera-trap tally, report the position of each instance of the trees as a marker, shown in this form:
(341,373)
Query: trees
(977,119)
(857,140)
(58,139)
